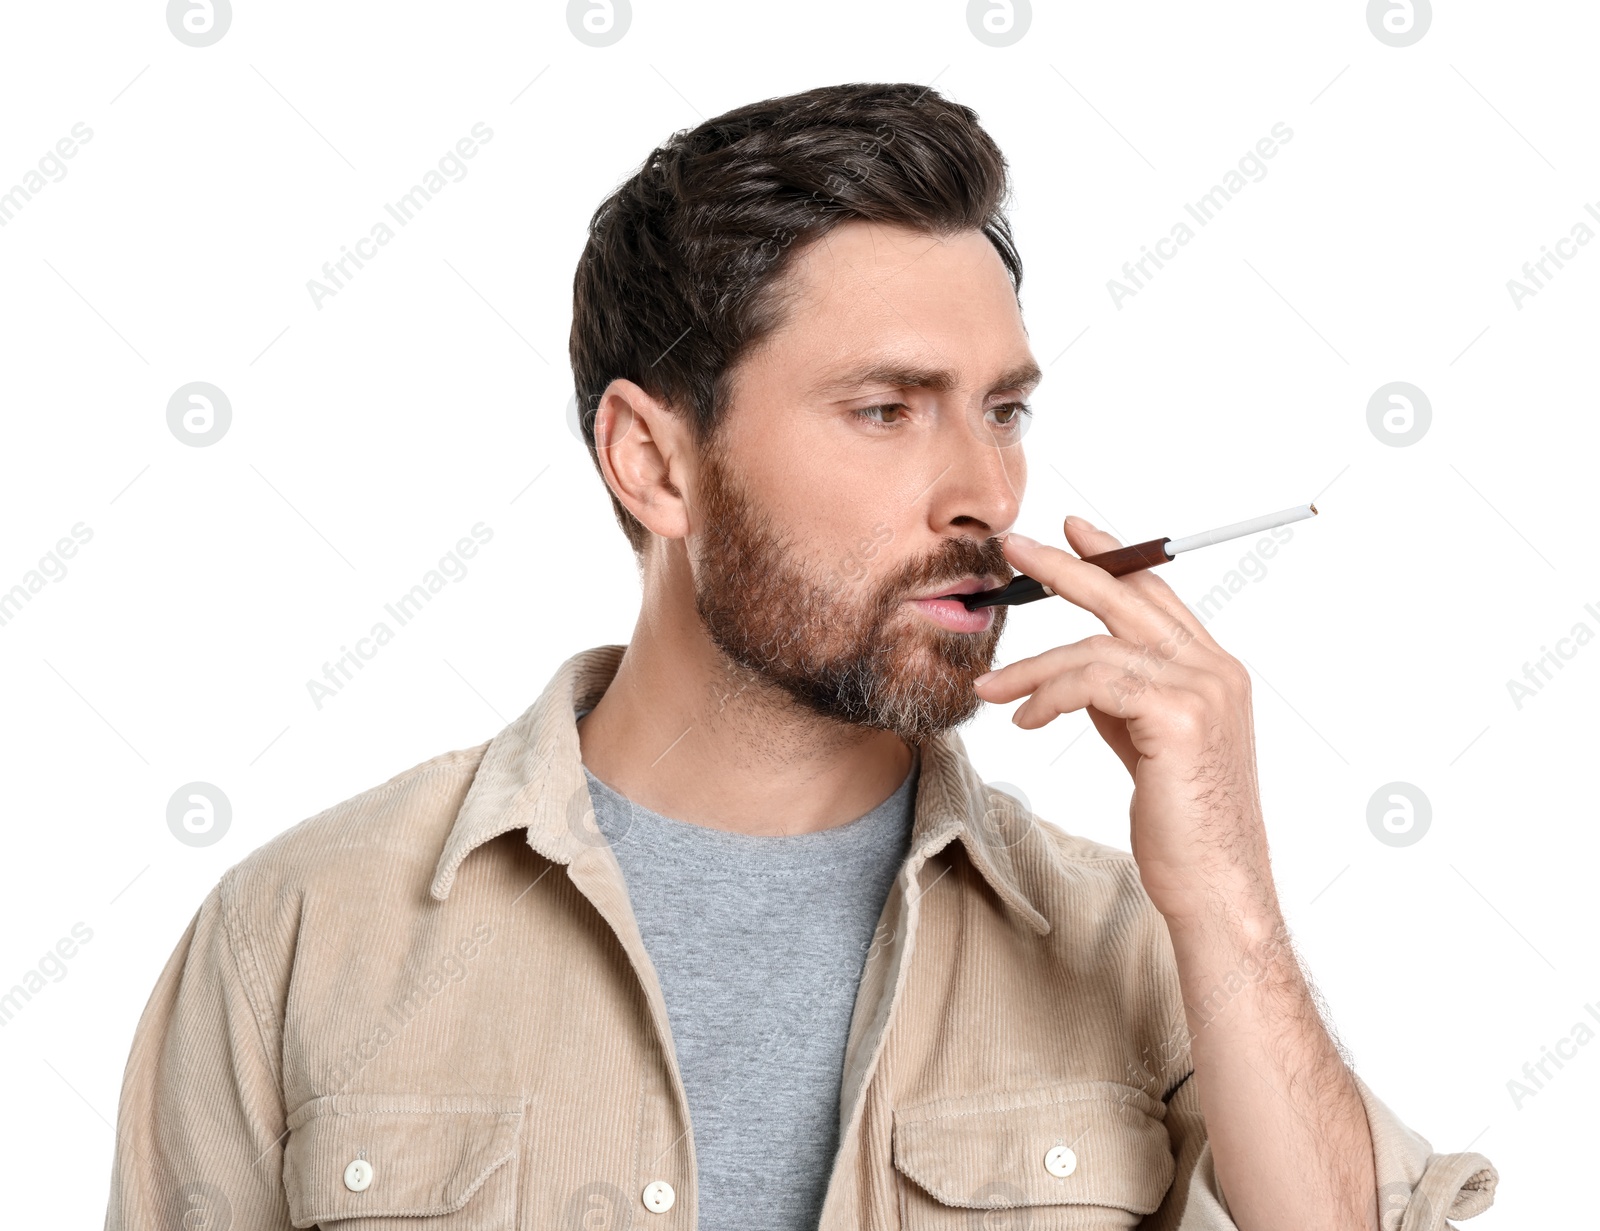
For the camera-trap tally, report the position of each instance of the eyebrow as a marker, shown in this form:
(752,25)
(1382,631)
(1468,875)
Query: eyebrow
(911,376)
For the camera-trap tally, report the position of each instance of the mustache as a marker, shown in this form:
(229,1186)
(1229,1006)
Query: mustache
(955,559)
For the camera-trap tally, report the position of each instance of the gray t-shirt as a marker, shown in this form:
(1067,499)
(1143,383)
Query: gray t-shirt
(759,944)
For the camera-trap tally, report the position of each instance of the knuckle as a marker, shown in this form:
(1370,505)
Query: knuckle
(1188,712)
(1215,690)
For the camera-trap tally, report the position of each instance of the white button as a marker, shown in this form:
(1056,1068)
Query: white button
(658,1196)
(358,1175)
(1060,1162)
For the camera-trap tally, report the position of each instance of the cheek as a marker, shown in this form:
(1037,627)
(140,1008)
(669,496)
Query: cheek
(1015,463)
(856,554)
(848,535)
(845,511)
(811,495)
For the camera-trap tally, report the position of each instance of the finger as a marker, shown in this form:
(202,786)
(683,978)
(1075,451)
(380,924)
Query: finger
(1020,678)
(1080,530)
(1122,608)
(1087,539)
(1178,702)
(1114,731)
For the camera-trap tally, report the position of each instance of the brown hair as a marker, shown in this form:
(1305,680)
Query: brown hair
(680,275)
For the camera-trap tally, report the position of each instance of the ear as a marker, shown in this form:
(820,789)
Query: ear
(646,454)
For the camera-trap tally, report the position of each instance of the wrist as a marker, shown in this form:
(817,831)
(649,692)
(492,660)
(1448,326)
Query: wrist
(1228,927)
(1234,974)
(1243,904)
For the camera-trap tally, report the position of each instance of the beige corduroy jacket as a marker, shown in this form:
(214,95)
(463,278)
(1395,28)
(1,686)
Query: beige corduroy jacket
(429,1009)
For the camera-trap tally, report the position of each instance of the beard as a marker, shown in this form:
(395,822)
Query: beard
(856,657)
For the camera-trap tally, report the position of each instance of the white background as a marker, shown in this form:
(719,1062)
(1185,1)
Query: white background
(429,394)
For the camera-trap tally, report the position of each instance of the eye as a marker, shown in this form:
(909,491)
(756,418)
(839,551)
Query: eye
(1010,415)
(879,416)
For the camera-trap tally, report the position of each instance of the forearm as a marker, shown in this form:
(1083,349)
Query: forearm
(1288,1131)
(1287,1126)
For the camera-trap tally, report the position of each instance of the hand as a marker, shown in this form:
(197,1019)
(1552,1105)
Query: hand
(1175,708)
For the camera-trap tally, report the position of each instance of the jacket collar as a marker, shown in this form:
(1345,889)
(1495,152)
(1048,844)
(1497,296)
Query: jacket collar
(531,776)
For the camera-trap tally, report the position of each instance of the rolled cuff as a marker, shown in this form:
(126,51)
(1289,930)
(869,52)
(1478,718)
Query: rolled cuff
(1417,1188)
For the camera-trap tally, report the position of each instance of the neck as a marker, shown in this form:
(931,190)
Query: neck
(684,732)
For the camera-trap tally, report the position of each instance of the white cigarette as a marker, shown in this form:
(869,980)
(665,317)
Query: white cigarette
(1240,528)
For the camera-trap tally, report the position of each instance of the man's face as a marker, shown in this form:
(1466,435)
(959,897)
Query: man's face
(868,460)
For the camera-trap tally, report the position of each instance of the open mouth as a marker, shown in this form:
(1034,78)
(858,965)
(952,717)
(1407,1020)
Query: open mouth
(962,588)
(947,608)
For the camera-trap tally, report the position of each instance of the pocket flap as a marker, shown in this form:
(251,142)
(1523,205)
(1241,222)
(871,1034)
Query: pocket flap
(989,1151)
(428,1153)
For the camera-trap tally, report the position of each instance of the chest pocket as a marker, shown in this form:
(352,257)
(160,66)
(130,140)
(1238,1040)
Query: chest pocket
(432,1163)
(1079,1155)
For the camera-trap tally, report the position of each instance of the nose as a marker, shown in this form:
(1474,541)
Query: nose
(979,489)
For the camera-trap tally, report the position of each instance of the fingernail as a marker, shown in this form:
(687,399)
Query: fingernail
(987,675)
(1082,523)
(1023,539)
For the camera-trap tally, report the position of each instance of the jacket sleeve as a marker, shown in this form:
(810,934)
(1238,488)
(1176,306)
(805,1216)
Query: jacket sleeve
(1417,1188)
(201,1119)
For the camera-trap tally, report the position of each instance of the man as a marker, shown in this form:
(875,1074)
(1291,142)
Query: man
(725,931)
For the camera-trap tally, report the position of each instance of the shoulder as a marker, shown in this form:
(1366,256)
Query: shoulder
(1071,880)
(1090,855)
(1093,876)
(1011,820)
(1095,901)
(383,840)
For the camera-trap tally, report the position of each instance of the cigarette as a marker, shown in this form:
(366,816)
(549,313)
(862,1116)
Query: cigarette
(1124,560)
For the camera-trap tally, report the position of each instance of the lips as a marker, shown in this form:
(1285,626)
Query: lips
(968,585)
(947,610)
